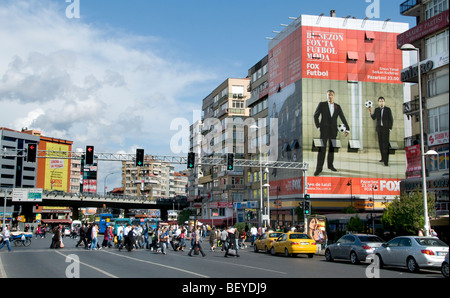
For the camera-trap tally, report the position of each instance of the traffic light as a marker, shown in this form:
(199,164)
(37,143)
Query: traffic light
(139,157)
(89,155)
(307,208)
(230,161)
(31,153)
(191,160)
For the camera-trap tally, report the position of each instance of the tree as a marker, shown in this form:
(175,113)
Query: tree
(355,224)
(184,215)
(405,214)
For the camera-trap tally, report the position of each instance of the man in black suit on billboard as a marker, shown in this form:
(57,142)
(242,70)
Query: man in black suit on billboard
(328,112)
(383,116)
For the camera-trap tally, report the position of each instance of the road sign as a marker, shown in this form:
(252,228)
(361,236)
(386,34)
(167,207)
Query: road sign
(27,195)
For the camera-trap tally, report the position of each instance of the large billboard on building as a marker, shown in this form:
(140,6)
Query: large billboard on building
(54,171)
(360,62)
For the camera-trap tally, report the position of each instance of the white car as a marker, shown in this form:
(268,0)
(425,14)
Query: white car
(414,252)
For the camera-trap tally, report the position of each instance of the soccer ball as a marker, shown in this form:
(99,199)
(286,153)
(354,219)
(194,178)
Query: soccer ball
(369,104)
(342,128)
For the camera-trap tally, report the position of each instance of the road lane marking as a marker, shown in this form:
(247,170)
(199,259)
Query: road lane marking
(2,270)
(157,264)
(90,266)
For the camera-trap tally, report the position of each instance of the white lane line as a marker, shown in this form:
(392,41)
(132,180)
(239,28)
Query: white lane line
(2,270)
(157,264)
(90,266)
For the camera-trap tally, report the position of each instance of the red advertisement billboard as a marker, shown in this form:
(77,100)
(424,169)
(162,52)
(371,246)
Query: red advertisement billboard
(350,55)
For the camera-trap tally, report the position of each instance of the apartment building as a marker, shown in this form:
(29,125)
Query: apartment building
(222,131)
(431,37)
(15,171)
(153,180)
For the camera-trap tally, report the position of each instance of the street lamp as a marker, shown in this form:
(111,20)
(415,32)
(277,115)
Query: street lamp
(254,126)
(410,47)
(268,194)
(104,184)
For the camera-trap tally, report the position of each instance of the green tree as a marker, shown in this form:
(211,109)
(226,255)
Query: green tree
(184,215)
(405,215)
(355,224)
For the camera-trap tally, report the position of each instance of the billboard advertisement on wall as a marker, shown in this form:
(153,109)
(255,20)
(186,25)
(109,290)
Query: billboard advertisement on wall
(57,170)
(359,66)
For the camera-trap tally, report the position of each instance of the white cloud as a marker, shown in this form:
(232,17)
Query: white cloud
(89,85)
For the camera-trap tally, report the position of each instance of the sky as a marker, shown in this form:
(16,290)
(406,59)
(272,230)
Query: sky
(121,75)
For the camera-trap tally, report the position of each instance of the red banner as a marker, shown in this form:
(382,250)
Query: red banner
(336,186)
(414,162)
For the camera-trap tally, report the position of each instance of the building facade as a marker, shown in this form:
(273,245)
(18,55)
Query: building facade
(222,132)
(431,37)
(359,61)
(15,171)
(153,180)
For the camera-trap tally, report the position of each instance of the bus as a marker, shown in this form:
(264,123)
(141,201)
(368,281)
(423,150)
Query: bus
(152,222)
(105,220)
(120,221)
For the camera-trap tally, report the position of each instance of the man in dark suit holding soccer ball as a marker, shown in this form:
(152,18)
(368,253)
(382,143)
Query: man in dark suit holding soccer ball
(325,118)
(385,121)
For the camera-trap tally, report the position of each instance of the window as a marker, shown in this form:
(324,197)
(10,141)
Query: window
(437,83)
(438,119)
(435,7)
(436,44)
(352,56)
(238,104)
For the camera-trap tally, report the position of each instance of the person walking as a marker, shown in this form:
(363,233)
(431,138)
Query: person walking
(163,240)
(223,239)
(213,239)
(253,233)
(231,240)
(83,232)
(131,238)
(94,239)
(6,235)
(328,112)
(197,241)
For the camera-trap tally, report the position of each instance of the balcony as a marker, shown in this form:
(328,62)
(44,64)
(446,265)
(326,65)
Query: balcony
(412,107)
(410,8)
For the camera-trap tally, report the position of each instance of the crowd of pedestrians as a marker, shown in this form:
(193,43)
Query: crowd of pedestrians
(161,239)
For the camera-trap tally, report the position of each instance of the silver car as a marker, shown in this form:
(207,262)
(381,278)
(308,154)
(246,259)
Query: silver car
(414,252)
(354,247)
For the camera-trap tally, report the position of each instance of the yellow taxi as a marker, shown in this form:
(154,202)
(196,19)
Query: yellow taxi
(264,242)
(293,243)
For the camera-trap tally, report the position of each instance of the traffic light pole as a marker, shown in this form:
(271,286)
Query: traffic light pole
(305,192)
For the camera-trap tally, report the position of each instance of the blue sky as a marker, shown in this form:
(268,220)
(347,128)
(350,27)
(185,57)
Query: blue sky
(122,73)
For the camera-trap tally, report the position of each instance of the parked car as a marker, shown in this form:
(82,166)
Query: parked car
(264,242)
(444,266)
(354,247)
(414,252)
(293,243)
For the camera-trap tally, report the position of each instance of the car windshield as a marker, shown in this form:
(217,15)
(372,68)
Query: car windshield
(275,235)
(299,236)
(430,242)
(370,238)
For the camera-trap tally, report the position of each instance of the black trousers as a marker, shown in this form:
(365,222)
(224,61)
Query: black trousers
(322,152)
(383,143)
(196,244)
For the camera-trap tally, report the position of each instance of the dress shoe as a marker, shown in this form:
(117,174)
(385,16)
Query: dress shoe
(317,173)
(333,169)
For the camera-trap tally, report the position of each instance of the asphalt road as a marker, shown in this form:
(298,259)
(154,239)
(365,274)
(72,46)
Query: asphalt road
(39,261)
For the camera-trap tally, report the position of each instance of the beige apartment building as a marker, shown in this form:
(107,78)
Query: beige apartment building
(222,132)
(153,180)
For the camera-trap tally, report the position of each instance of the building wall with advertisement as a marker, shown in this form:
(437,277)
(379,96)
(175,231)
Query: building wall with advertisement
(54,173)
(359,60)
